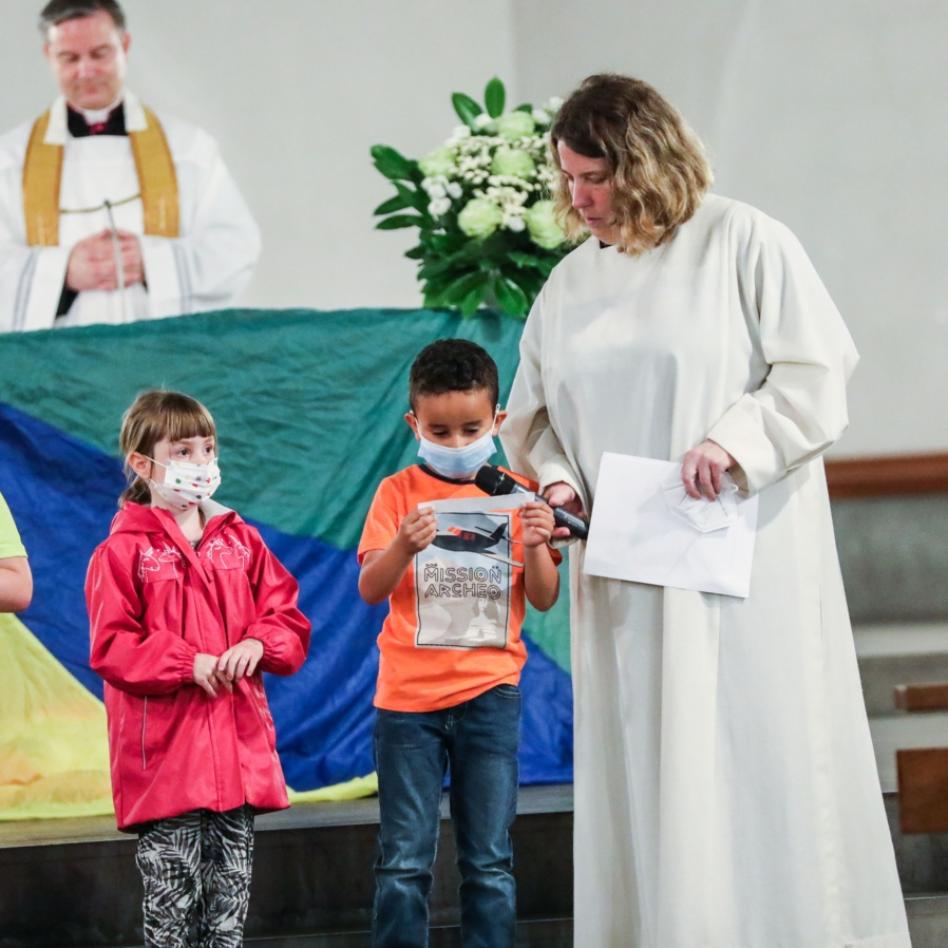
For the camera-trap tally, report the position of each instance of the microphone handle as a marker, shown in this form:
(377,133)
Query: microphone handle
(576,525)
(563,518)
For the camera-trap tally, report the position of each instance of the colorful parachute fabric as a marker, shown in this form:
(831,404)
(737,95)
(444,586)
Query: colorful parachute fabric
(309,410)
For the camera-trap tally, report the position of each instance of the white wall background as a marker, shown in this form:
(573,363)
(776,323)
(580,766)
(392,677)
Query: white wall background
(296,92)
(832,117)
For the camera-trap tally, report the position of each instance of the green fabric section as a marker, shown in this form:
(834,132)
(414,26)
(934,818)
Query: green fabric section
(308,404)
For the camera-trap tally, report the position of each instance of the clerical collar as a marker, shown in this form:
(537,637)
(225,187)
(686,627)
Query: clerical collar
(102,122)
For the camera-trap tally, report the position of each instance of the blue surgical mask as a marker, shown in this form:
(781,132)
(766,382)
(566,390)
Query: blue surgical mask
(457,462)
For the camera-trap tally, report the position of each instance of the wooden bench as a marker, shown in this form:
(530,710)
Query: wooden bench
(923,772)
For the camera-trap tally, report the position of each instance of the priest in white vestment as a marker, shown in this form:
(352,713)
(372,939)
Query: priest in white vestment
(108,212)
(726,792)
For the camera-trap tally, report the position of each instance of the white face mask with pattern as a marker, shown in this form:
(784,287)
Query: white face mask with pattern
(186,484)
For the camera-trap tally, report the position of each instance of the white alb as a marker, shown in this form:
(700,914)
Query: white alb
(726,790)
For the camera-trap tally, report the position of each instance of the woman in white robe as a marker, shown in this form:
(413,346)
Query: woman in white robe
(726,793)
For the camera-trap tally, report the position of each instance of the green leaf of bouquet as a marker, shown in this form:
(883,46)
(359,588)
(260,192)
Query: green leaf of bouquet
(494,97)
(434,293)
(433,269)
(458,260)
(466,107)
(391,163)
(461,287)
(436,286)
(449,243)
(530,281)
(468,306)
(511,298)
(416,253)
(528,261)
(399,221)
(397,203)
(524,107)
(413,197)
(419,201)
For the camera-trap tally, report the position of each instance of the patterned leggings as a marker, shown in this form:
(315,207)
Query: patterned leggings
(196,875)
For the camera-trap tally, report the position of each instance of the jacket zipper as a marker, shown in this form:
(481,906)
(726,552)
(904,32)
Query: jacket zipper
(144,720)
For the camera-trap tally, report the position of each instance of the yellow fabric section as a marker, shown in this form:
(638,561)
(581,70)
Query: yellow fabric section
(54,752)
(54,758)
(42,171)
(157,177)
(42,174)
(353,789)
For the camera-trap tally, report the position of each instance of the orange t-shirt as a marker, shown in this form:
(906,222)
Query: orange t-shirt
(453,627)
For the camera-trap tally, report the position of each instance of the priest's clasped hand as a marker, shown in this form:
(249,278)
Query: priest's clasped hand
(702,469)
(92,262)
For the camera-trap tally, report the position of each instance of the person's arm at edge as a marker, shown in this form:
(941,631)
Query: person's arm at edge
(16,584)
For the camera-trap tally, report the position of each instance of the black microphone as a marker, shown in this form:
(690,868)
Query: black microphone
(493,481)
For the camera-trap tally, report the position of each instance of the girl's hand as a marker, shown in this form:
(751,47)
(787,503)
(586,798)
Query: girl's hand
(240,660)
(538,524)
(702,469)
(206,676)
(416,531)
(562,495)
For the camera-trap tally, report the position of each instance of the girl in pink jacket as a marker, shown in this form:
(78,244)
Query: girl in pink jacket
(187,607)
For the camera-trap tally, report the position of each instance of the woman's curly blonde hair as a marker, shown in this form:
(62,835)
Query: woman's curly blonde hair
(658,167)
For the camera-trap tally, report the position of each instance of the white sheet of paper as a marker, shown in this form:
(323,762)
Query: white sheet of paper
(645,530)
(464,578)
(484,504)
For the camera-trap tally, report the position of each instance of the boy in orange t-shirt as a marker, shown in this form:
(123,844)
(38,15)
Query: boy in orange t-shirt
(451,652)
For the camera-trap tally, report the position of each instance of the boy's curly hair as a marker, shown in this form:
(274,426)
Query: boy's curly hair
(452,365)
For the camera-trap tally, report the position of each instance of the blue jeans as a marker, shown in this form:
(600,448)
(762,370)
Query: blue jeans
(479,739)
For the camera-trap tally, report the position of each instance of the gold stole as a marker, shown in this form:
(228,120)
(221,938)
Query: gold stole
(42,176)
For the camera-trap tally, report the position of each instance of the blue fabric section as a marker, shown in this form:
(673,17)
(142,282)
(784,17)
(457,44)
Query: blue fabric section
(324,713)
(63,492)
(63,497)
(546,744)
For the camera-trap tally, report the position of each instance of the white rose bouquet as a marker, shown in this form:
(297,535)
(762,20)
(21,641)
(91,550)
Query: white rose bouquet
(487,232)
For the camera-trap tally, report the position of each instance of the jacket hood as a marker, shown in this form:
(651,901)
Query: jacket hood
(138,518)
